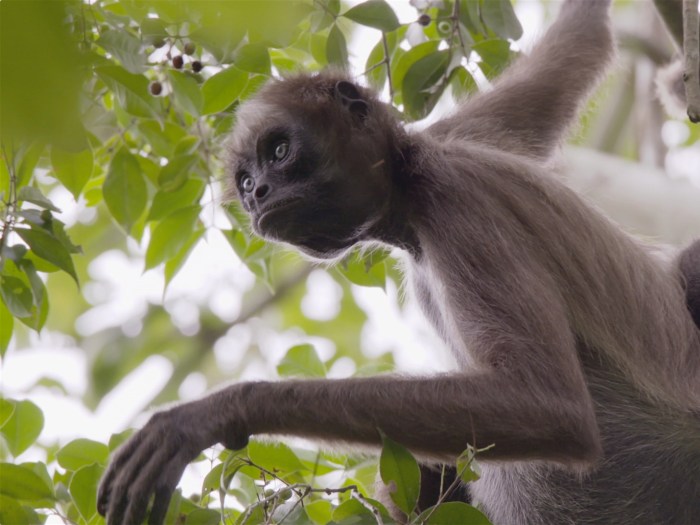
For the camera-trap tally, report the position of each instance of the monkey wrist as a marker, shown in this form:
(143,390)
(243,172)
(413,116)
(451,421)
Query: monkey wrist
(229,413)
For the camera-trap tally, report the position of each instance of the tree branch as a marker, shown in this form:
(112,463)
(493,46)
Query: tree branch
(691,50)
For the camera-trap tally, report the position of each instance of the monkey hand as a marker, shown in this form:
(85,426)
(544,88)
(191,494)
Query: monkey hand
(152,461)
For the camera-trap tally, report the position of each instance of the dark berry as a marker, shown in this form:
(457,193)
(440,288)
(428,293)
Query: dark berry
(197,66)
(189,48)
(424,20)
(178,61)
(156,88)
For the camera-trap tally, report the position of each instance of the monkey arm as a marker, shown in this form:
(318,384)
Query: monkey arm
(525,417)
(537,98)
(435,417)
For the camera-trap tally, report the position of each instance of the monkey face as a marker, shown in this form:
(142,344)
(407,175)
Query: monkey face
(307,169)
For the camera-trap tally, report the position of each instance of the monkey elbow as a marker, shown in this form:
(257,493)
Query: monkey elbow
(581,444)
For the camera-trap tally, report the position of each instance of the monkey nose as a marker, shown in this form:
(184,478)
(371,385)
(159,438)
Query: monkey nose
(262,191)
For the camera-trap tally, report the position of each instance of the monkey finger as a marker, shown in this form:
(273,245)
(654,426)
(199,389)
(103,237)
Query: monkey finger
(137,479)
(120,458)
(161,502)
(164,491)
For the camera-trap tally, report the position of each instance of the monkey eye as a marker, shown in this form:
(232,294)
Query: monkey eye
(281,150)
(247,183)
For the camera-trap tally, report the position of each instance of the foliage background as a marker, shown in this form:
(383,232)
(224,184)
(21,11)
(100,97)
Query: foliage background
(124,283)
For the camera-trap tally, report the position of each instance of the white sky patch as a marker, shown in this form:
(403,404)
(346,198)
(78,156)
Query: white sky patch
(322,299)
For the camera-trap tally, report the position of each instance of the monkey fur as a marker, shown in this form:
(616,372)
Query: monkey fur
(577,357)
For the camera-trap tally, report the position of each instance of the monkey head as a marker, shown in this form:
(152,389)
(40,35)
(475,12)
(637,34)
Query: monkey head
(310,159)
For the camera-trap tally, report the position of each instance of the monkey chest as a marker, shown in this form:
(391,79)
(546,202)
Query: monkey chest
(440,304)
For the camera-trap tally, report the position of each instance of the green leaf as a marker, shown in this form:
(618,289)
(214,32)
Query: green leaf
(203,517)
(222,89)
(173,265)
(498,15)
(187,145)
(40,469)
(462,82)
(319,512)
(152,30)
(22,483)
(467,467)
(165,202)
(162,137)
(374,13)
(73,170)
(124,189)
(83,489)
(276,457)
(469,16)
(352,512)
(57,228)
(176,172)
(7,408)
(367,270)
(336,47)
(23,428)
(16,295)
(116,440)
(253,58)
(48,247)
(400,472)
(125,47)
(453,512)
(12,513)
(406,60)
(186,91)
(40,297)
(212,481)
(495,56)
(301,361)
(131,91)
(82,452)
(18,277)
(34,195)
(377,77)
(419,89)
(170,235)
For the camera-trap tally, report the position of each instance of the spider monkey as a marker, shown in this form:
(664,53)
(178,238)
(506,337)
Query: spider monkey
(576,355)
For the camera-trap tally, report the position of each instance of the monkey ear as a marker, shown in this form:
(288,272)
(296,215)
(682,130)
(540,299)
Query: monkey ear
(349,96)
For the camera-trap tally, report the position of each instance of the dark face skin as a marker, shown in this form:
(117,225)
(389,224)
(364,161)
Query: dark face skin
(296,193)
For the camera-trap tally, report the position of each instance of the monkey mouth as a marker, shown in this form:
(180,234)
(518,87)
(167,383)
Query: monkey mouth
(273,209)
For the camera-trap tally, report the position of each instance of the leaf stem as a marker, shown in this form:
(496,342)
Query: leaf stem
(388,66)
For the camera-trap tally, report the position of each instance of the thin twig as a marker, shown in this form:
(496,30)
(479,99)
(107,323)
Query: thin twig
(366,504)
(455,28)
(299,488)
(691,50)
(388,66)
